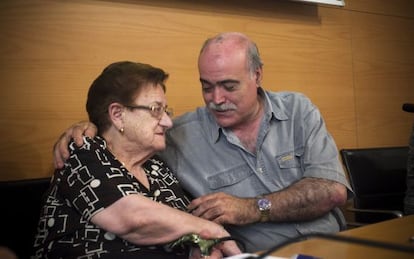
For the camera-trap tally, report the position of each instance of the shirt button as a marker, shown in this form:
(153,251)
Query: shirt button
(109,236)
(260,170)
(51,222)
(157,193)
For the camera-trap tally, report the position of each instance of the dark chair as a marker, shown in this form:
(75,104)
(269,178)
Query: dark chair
(21,203)
(378,177)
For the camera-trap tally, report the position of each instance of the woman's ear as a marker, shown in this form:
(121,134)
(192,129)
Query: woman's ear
(116,115)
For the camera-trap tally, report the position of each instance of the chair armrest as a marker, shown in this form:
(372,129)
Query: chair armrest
(354,224)
(395,213)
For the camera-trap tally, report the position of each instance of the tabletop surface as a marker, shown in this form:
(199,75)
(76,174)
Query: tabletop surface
(398,231)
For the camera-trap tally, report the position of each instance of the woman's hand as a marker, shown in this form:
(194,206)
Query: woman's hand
(216,253)
(224,248)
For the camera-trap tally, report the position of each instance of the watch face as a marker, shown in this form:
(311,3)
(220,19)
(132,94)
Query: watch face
(264,204)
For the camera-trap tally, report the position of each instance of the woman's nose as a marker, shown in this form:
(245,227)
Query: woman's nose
(166,120)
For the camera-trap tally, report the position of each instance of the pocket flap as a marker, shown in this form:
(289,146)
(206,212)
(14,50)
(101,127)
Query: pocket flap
(229,177)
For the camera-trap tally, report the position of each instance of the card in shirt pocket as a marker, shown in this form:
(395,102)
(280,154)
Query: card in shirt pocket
(289,159)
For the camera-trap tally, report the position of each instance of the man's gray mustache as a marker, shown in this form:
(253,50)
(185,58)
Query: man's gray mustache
(222,107)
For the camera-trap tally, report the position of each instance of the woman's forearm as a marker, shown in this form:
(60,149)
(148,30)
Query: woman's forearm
(141,221)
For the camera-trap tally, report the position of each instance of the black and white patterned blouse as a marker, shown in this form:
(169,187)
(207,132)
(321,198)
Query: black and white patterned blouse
(92,180)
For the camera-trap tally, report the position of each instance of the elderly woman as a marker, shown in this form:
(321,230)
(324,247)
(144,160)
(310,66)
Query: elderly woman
(115,198)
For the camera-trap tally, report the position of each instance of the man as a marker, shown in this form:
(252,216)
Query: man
(260,163)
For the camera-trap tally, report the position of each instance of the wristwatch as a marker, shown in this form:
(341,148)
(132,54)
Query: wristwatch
(264,206)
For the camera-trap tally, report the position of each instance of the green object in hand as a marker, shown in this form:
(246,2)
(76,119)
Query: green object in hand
(195,240)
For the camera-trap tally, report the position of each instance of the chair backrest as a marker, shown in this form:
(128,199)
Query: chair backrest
(21,203)
(378,177)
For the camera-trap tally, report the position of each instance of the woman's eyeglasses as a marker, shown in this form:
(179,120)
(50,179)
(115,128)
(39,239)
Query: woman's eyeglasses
(156,110)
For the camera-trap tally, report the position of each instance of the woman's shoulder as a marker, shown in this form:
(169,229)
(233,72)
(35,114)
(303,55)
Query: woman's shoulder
(94,143)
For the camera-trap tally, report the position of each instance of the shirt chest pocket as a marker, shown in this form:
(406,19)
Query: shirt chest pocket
(229,177)
(288,160)
(290,166)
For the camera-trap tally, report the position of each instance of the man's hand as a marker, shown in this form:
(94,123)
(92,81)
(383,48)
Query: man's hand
(307,199)
(225,209)
(76,131)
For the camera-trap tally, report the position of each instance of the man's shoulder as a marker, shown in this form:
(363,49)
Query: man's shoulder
(287,96)
(288,100)
(185,118)
(190,118)
(188,129)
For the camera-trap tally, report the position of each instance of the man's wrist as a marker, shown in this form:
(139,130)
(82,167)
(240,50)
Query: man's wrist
(263,205)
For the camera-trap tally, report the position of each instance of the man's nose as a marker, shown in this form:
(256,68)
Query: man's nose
(218,95)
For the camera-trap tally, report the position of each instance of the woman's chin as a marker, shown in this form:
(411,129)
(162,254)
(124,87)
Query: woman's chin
(159,147)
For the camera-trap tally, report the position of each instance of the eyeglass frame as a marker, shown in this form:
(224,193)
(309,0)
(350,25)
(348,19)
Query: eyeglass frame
(152,109)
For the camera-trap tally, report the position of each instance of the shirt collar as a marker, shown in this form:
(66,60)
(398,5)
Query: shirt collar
(272,110)
(216,129)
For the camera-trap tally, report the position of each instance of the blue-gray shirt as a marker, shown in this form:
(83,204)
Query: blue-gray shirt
(293,143)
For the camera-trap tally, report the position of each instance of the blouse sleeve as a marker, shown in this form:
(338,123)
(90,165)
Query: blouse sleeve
(92,180)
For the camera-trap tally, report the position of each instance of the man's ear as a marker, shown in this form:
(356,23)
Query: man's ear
(116,114)
(259,76)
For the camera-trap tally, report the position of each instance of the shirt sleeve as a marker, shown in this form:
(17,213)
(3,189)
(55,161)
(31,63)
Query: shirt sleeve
(321,159)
